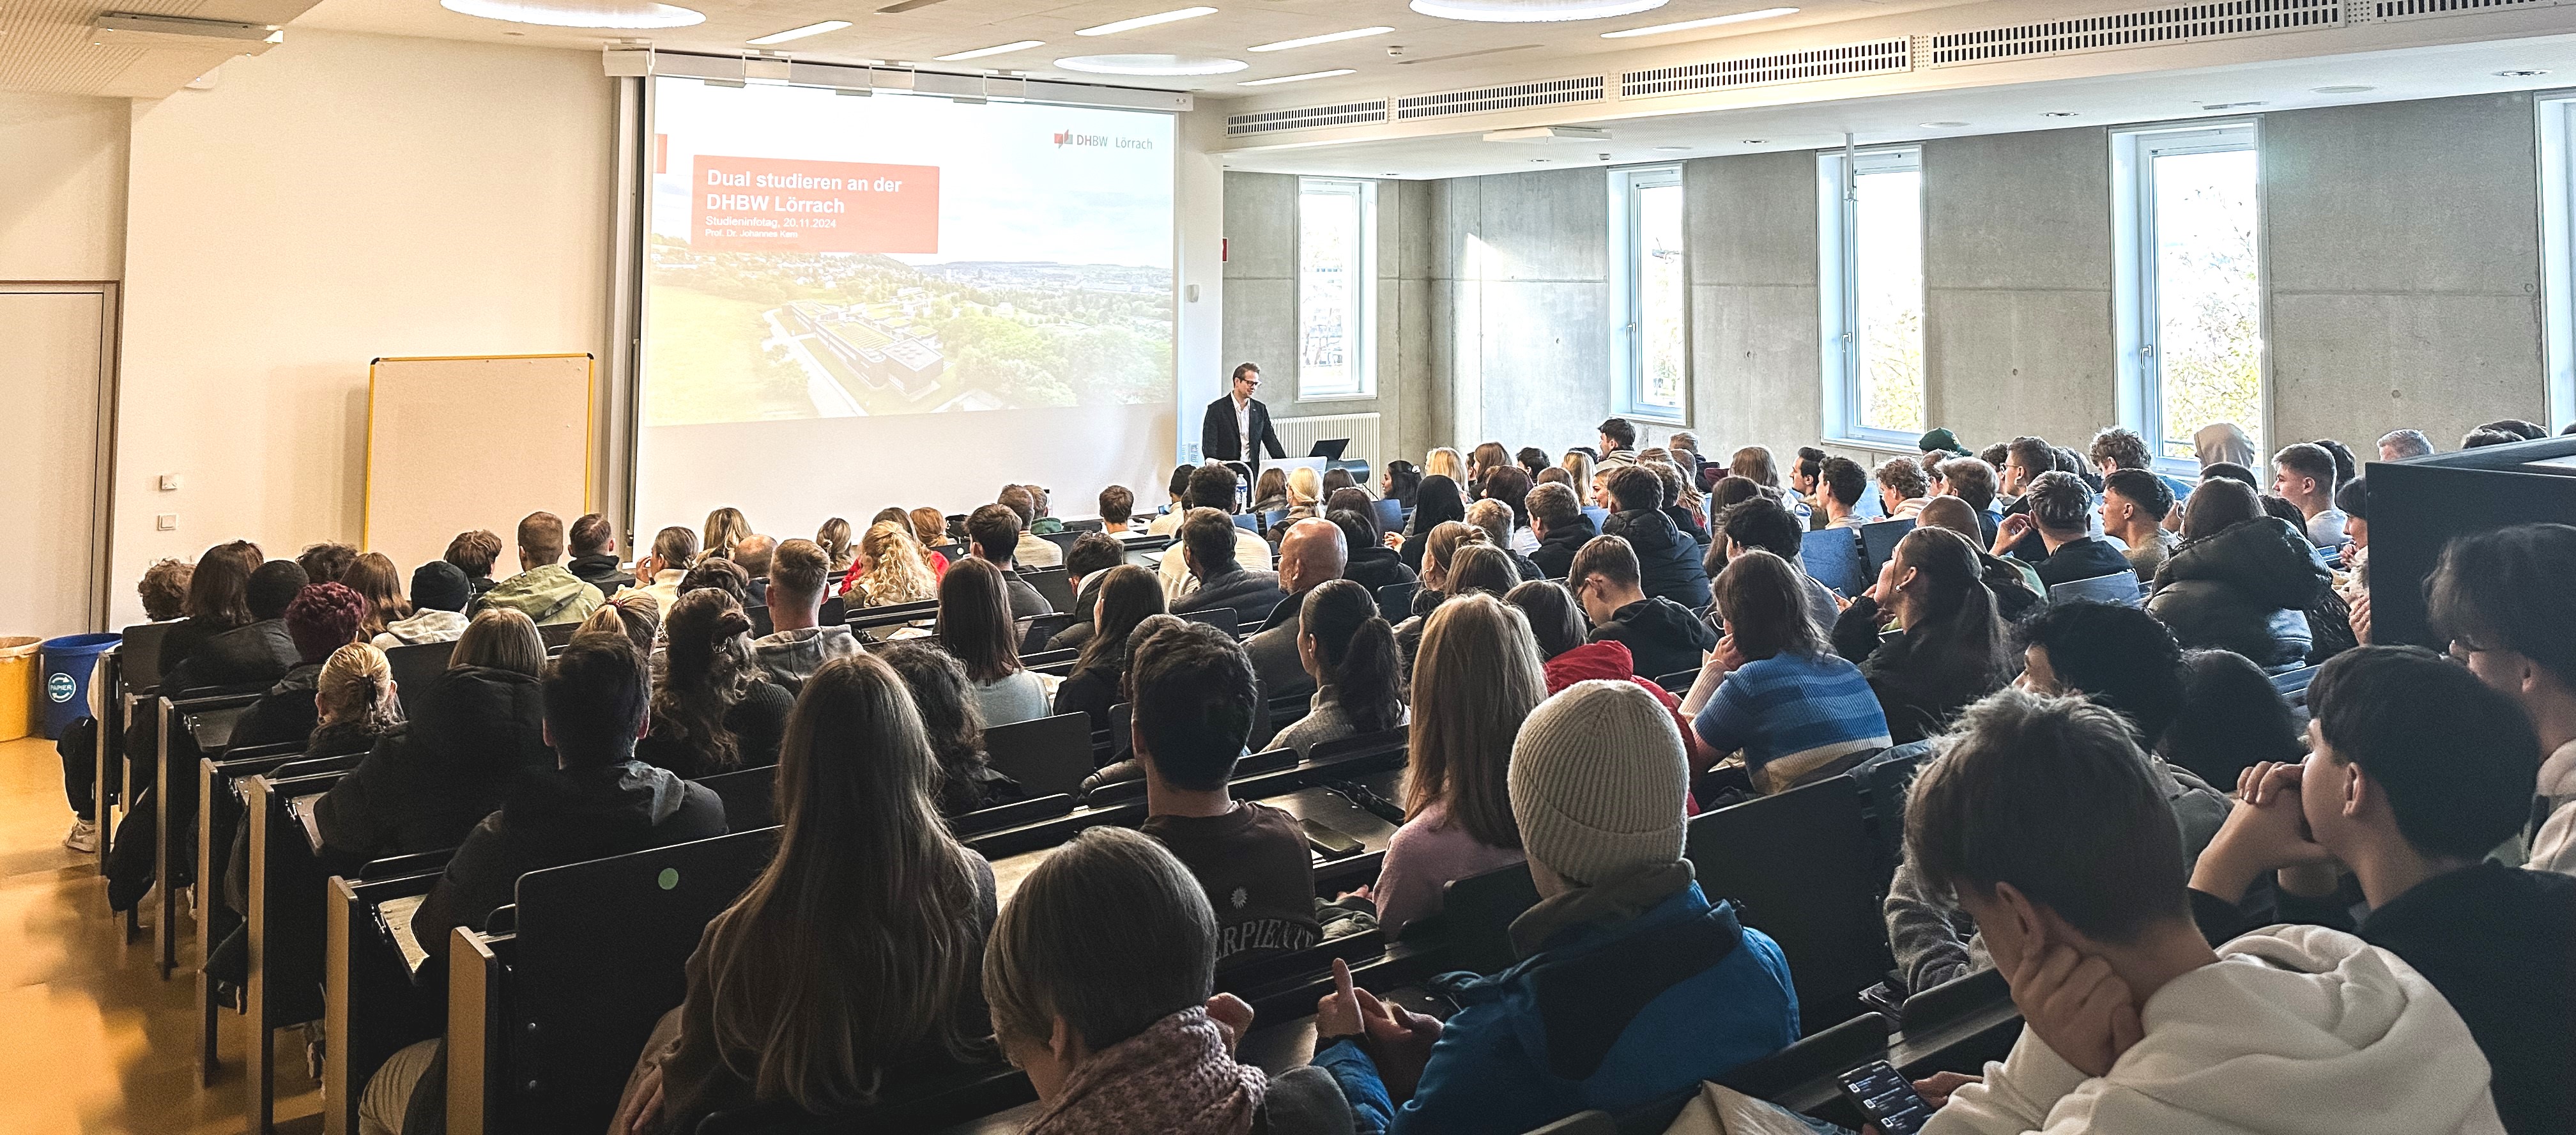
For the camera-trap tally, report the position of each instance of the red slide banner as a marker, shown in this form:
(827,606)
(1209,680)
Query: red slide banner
(787,205)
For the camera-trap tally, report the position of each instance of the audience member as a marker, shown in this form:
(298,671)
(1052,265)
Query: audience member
(2232,719)
(597,802)
(1208,545)
(1767,525)
(2482,438)
(326,562)
(1667,560)
(1597,782)
(798,644)
(2025,458)
(1577,464)
(544,590)
(839,543)
(1170,520)
(1556,626)
(1371,563)
(2404,445)
(1348,653)
(1211,487)
(720,574)
(659,574)
(1773,690)
(2134,504)
(1839,484)
(889,570)
(439,593)
(1336,479)
(2420,770)
(2046,822)
(474,733)
(1305,494)
(1532,461)
(1030,548)
(2060,511)
(2015,584)
(1399,483)
(1901,487)
(1494,519)
(713,709)
(1663,637)
(2230,471)
(1126,595)
(1435,502)
(1678,499)
(2345,467)
(1311,554)
(1951,647)
(1510,487)
(2525,430)
(2506,601)
(355,703)
(593,545)
(1557,519)
(1118,513)
(1618,444)
(1972,480)
(1806,483)
(2304,475)
(164,589)
(638,617)
(752,554)
(2223,442)
(379,583)
(474,553)
(725,527)
(323,618)
(942,694)
(2240,581)
(1092,556)
(930,529)
(1099,972)
(250,656)
(1195,698)
(821,980)
(993,536)
(976,625)
(1269,491)
(1474,683)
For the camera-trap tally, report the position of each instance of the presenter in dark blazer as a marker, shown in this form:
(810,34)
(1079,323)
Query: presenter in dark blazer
(1235,417)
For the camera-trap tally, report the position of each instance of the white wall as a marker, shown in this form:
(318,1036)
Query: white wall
(341,198)
(62,187)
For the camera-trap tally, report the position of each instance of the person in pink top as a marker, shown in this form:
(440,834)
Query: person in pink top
(1477,677)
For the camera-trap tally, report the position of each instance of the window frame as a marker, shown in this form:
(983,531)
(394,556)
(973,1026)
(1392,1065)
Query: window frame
(2136,317)
(2557,127)
(1627,342)
(1360,327)
(1838,174)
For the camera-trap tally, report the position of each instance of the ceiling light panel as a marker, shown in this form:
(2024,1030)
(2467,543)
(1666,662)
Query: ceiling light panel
(1298,78)
(1328,37)
(620,14)
(1129,25)
(1532,11)
(996,49)
(1150,64)
(1693,25)
(799,33)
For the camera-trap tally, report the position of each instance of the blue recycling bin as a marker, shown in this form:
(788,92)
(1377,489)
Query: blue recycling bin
(68,662)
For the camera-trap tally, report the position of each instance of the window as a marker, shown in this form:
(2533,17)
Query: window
(1870,240)
(1650,353)
(2188,290)
(2558,250)
(1336,289)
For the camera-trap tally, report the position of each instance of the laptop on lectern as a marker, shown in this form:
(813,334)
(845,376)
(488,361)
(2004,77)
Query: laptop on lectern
(1330,449)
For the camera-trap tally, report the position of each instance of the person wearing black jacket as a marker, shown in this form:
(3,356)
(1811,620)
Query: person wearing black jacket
(1370,563)
(1237,426)
(1435,502)
(1557,519)
(323,618)
(1662,637)
(1207,539)
(2061,509)
(2240,581)
(1668,561)
(1953,649)
(2419,770)
(597,802)
(474,732)
(594,555)
(1129,594)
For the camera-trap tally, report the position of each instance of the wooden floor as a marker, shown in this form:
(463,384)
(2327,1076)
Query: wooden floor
(92,1040)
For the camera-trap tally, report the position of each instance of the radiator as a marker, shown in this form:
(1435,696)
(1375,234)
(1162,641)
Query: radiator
(1299,435)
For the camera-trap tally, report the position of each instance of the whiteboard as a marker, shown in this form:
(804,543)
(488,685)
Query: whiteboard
(459,443)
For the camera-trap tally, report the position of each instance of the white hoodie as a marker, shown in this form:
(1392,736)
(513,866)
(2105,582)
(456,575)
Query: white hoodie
(2298,1030)
(2554,849)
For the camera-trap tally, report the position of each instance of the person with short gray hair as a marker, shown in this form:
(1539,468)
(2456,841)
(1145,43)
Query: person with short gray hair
(1099,973)
(2404,445)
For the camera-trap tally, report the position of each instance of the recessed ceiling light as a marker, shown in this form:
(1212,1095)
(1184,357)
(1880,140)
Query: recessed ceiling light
(1532,11)
(1328,37)
(2521,73)
(1538,161)
(619,14)
(1297,78)
(799,33)
(1390,173)
(1670,149)
(1710,22)
(1756,141)
(2058,114)
(1151,64)
(996,49)
(1147,21)
(2342,90)
(1943,125)
(2233,105)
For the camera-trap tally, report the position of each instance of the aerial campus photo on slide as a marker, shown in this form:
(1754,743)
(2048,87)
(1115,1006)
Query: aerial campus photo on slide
(816,256)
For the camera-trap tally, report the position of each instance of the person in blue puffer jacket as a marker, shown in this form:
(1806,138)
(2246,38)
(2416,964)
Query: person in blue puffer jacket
(1631,984)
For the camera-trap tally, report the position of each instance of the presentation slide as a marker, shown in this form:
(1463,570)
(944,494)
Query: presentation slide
(822,271)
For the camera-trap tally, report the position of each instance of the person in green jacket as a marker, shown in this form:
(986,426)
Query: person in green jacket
(544,590)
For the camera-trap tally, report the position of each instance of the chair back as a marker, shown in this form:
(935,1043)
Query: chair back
(1053,584)
(1390,514)
(749,795)
(138,655)
(1479,910)
(1878,542)
(1833,557)
(1047,756)
(416,668)
(1222,618)
(2119,587)
(1800,866)
(1395,601)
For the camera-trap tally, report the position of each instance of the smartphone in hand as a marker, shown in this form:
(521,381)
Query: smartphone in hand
(1885,1097)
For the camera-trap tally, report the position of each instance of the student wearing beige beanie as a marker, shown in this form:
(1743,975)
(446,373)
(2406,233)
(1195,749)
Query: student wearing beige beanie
(1631,984)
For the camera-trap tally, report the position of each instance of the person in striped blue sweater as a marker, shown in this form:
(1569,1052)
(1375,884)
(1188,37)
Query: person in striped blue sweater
(1773,689)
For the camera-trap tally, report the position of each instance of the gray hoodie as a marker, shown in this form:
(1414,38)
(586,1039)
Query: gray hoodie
(790,657)
(429,624)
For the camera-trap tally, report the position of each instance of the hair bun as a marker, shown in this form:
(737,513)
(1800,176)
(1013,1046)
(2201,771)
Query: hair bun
(732,623)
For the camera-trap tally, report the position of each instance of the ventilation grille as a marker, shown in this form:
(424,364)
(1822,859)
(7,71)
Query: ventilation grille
(1515,96)
(1306,117)
(2178,24)
(1877,58)
(2410,9)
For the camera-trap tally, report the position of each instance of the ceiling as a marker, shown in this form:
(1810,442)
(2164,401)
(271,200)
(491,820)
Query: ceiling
(942,27)
(47,45)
